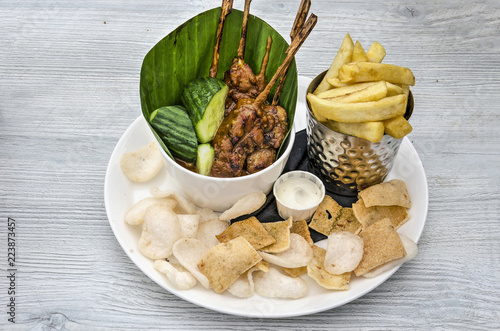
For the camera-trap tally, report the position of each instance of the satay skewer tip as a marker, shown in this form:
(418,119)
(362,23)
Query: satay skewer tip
(291,51)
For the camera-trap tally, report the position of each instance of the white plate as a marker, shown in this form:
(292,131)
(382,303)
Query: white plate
(120,194)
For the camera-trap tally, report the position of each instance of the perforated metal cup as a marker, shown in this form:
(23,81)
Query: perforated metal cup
(348,164)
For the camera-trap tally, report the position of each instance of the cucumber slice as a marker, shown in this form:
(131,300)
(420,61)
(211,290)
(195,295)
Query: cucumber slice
(174,127)
(205,159)
(207,127)
(204,99)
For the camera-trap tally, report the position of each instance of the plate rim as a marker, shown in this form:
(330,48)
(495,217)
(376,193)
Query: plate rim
(184,294)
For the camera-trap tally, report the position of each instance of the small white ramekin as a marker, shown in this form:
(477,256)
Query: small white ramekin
(296,213)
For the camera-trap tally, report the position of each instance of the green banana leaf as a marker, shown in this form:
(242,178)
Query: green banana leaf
(186,53)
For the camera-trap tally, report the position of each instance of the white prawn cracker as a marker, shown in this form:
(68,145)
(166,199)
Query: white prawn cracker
(188,251)
(143,164)
(244,287)
(160,231)
(184,204)
(206,214)
(189,225)
(343,253)
(299,254)
(207,232)
(176,274)
(411,251)
(135,215)
(274,284)
(246,205)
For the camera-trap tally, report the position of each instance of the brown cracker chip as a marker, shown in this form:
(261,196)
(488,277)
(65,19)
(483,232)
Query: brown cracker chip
(281,233)
(369,215)
(251,229)
(224,263)
(325,216)
(381,245)
(391,193)
(347,222)
(316,270)
(302,229)
(294,272)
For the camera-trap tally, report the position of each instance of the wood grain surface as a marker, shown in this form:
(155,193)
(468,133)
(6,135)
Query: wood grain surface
(69,87)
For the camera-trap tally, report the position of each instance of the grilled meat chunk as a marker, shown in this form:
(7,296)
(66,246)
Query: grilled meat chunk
(249,128)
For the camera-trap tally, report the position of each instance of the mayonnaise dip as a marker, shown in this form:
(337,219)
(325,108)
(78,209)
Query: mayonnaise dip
(298,193)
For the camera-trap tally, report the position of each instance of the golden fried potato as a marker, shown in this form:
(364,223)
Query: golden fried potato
(371,111)
(335,82)
(368,72)
(372,92)
(393,89)
(342,90)
(376,53)
(373,131)
(397,127)
(344,56)
(317,115)
(359,54)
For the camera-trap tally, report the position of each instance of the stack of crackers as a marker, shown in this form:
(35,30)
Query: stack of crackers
(375,217)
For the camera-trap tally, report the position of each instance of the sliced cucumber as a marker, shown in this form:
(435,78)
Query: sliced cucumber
(173,125)
(204,99)
(205,159)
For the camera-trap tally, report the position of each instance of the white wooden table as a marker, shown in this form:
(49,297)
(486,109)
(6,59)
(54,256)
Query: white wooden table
(69,87)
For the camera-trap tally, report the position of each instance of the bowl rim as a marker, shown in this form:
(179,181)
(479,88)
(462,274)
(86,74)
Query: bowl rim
(285,154)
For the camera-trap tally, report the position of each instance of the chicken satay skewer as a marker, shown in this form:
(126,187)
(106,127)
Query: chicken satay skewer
(291,51)
(240,78)
(227,6)
(243,40)
(243,131)
(264,156)
(300,19)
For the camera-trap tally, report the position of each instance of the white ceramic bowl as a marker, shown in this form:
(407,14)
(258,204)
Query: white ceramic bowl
(220,194)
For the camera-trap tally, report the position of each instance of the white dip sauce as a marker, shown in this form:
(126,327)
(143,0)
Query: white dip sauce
(298,193)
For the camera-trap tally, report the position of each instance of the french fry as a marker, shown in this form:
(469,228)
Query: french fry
(368,72)
(343,90)
(335,82)
(393,89)
(373,92)
(360,96)
(359,54)
(375,53)
(397,127)
(406,92)
(371,111)
(373,131)
(317,115)
(344,56)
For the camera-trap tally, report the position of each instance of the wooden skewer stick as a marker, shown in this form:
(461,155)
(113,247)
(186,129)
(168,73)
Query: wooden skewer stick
(243,40)
(227,6)
(291,51)
(265,59)
(300,18)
